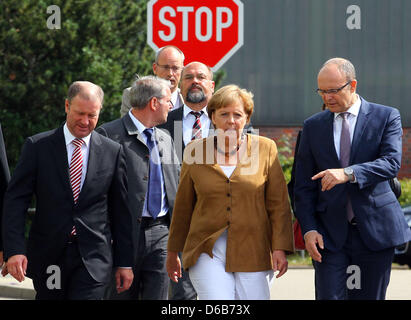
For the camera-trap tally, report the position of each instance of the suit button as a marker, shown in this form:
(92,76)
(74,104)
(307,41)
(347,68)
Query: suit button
(145,178)
(228,180)
(228,208)
(228,194)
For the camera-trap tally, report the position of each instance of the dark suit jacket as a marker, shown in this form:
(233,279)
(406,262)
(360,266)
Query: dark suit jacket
(125,132)
(4,179)
(101,214)
(375,158)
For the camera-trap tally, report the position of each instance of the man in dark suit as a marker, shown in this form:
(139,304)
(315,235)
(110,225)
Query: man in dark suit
(148,149)
(82,225)
(350,218)
(197,88)
(4,180)
(169,62)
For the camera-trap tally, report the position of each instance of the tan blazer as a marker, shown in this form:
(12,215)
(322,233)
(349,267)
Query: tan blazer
(252,205)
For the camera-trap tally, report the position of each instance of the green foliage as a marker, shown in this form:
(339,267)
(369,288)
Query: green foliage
(100,41)
(285,151)
(405,198)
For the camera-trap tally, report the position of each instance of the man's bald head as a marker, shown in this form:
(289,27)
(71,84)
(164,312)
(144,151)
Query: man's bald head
(86,90)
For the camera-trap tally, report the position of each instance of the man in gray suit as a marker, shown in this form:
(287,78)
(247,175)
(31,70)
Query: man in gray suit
(169,62)
(153,170)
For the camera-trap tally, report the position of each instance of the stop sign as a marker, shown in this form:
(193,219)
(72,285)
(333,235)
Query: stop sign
(209,31)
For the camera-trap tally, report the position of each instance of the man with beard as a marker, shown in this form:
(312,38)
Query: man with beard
(191,121)
(186,124)
(168,64)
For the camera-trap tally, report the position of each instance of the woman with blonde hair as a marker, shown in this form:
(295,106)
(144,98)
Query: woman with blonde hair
(232,217)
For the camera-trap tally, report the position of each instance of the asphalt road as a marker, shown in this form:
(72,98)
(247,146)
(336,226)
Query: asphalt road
(298,284)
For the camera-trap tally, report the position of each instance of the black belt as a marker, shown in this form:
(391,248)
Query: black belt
(150,222)
(353,221)
(72,239)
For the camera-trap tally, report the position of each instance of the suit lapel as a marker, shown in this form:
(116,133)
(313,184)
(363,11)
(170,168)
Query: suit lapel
(59,152)
(132,129)
(94,160)
(362,121)
(328,134)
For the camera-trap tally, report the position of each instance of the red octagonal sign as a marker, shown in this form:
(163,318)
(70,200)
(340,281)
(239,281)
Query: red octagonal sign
(209,31)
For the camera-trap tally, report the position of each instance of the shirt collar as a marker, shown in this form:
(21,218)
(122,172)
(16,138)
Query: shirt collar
(187,110)
(68,137)
(174,96)
(354,109)
(140,127)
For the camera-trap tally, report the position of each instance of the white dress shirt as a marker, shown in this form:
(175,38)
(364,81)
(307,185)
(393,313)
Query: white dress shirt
(188,122)
(85,150)
(352,121)
(175,99)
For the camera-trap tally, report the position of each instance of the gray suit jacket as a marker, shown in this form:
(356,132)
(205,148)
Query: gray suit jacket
(126,105)
(125,132)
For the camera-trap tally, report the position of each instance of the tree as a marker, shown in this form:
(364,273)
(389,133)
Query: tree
(100,41)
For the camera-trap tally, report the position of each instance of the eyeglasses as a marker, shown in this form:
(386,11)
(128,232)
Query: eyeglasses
(175,69)
(332,91)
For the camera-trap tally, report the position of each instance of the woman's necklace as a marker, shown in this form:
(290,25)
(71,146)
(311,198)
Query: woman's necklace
(229,153)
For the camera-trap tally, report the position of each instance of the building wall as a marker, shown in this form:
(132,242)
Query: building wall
(282,134)
(287,41)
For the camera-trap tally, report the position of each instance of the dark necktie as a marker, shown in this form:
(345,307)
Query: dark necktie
(154,195)
(345,150)
(196,133)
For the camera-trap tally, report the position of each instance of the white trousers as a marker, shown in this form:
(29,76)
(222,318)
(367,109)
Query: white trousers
(212,282)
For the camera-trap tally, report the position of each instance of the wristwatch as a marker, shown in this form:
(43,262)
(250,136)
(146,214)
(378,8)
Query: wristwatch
(349,172)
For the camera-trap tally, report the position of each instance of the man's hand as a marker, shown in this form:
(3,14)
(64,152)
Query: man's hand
(330,178)
(280,262)
(16,265)
(173,265)
(124,279)
(312,238)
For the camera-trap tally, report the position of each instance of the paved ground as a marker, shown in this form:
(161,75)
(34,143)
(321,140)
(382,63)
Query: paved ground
(296,284)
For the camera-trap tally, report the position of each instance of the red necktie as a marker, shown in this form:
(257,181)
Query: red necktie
(76,168)
(196,133)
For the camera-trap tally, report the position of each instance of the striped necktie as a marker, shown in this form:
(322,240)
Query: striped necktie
(76,168)
(196,133)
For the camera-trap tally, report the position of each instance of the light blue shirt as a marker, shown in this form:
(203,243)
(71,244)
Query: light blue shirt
(164,204)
